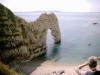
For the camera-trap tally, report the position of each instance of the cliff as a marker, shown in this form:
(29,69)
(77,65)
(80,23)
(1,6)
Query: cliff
(20,39)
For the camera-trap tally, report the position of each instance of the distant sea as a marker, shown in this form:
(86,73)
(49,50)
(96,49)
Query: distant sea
(80,36)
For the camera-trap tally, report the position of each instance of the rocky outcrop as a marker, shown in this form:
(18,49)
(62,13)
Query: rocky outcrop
(20,39)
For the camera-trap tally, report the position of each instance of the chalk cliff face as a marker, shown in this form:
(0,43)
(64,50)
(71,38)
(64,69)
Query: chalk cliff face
(21,39)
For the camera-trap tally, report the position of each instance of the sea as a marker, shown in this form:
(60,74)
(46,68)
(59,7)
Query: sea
(80,36)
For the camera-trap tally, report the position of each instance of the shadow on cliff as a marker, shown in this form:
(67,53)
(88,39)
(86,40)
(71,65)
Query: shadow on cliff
(27,67)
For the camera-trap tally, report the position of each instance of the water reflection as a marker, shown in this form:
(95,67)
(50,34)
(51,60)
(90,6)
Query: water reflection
(54,55)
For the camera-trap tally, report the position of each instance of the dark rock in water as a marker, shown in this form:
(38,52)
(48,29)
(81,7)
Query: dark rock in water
(89,44)
(58,42)
(20,39)
(95,23)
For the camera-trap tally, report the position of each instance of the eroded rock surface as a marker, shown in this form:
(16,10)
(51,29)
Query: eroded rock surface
(21,39)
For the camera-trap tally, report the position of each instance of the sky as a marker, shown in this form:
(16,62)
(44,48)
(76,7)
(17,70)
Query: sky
(53,5)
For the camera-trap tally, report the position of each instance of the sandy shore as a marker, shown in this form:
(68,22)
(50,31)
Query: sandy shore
(47,68)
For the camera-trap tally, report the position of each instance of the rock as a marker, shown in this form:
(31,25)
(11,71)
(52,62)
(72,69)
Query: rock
(58,72)
(25,40)
(95,23)
(89,44)
(61,72)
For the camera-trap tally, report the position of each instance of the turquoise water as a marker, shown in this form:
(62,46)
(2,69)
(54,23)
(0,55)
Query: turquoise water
(80,37)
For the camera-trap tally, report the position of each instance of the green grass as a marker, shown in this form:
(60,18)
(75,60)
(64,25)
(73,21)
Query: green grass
(5,70)
(11,16)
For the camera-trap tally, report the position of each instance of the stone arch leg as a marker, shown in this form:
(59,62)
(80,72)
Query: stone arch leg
(56,35)
(54,27)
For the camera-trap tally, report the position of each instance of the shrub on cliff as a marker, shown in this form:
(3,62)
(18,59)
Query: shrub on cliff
(5,70)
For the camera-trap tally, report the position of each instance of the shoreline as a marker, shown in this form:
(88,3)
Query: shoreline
(48,68)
